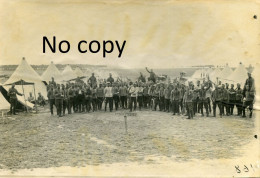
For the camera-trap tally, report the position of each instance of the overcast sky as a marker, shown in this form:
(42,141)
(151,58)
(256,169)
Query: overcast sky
(159,34)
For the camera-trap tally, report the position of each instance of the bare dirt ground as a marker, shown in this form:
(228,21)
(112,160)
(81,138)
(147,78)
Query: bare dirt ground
(30,141)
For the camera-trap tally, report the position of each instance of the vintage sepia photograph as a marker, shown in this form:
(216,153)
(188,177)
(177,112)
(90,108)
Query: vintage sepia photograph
(129,88)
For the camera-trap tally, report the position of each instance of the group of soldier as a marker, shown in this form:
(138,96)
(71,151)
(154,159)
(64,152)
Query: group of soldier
(177,98)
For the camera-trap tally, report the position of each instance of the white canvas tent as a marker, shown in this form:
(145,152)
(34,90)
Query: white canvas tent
(197,74)
(239,75)
(52,71)
(5,105)
(68,73)
(225,73)
(215,74)
(78,72)
(25,72)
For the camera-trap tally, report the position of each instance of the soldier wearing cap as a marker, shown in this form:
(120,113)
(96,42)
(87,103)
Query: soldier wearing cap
(59,95)
(88,98)
(133,94)
(108,92)
(51,98)
(13,98)
(115,95)
(232,99)
(225,100)
(187,100)
(100,96)
(92,80)
(141,78)
(175,99)
(217,97)
(203,100)
(110,79)
(248,100)
(239,98)
(123,95)
(250,82)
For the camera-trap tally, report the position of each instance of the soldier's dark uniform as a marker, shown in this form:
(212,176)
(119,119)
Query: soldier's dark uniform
(81,99)
(123,96)
(239,98)
(94,99)
(71,94)
(65,100)
(203,101)
(226,101)
(100,96)
(249,96)
(116,96)
(145,96)
(232,99)
(167,96)
(59,100)
(188,97)
(88,98)
(161,99)
(51,98)
(13,99)
(217,97)
(175,98)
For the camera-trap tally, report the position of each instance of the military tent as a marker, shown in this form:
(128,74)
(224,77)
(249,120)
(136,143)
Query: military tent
(198,74)
(78,72)
(68,73)
(225,73)
(25,72)
(239,75)
(52,71)
(215,74)
(5,105)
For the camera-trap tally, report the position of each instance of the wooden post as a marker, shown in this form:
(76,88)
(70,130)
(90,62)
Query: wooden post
(35,98)
(24,97)
(125,117)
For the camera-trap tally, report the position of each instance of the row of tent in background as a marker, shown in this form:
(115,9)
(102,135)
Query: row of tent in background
(225,75)
(25,72)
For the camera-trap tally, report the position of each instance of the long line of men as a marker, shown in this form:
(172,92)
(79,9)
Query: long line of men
(80,97)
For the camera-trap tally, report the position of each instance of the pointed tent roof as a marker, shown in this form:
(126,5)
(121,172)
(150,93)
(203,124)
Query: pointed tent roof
(225,72)
(52,71)
(5,105)
(78,72)
(25,72)
(239,75)
(197,74)
(68,73)
(213,76)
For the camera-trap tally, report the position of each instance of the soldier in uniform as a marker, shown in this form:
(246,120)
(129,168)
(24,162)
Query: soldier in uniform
(110,79)
(225,103)
(71,93)
(92,80)
(203,100)
(87,98)
(140,91)
(141,78)
(81,99)
(161,98)
(217,97)
(65,98)
(156,94)
(108,92)
(133,94)
(152,75)
(187,99)
(248,100)
(51,98)
(123,95)
(115,91)
(59,100)
(167,96)
(100,96)
(232,99)
(94,98)
(175,98)
(239,98)
(145,95)
(13,98)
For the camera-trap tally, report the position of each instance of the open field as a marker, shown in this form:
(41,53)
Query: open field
(30,141)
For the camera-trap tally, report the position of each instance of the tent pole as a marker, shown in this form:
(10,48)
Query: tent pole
(24,98)
(35,98)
